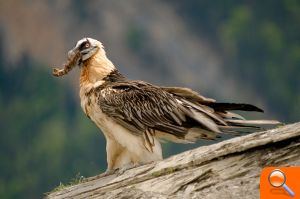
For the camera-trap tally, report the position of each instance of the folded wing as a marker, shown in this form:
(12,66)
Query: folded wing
(170,112)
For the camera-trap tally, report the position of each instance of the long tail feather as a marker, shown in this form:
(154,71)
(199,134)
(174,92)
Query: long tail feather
(253,122)
(235,126)
(234,106)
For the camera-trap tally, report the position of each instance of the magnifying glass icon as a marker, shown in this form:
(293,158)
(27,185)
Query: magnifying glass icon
(277,179)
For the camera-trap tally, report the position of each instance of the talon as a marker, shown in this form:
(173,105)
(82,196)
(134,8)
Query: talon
(108,172)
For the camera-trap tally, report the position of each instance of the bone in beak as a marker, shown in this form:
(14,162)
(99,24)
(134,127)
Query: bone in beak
(73,56)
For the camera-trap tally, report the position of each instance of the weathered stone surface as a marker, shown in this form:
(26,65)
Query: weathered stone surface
(229,169)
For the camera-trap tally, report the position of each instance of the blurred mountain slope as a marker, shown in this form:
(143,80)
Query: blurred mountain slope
(146,40)
(244,52)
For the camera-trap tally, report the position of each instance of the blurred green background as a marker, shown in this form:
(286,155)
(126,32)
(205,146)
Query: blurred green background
(240,51)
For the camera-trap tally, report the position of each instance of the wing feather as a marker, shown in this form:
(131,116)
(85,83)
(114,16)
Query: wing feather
(139,106)
(177,112)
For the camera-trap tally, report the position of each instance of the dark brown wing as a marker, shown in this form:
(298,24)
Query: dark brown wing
(144,108)
(188,94)
(140,107)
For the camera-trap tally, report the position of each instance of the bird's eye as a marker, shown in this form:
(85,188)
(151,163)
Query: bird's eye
(84,45)
(87,45)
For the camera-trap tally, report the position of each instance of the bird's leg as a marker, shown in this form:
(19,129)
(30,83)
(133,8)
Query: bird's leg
(113,151)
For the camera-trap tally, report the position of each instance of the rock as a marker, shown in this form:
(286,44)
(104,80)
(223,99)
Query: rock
(229,169)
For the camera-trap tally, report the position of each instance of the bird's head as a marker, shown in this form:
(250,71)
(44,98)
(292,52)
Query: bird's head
(84,50)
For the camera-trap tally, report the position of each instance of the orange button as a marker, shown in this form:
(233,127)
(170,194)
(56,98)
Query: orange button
(280,183)
(277,178)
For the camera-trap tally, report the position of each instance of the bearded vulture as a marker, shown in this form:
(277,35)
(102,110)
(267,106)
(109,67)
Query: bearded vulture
(135,115)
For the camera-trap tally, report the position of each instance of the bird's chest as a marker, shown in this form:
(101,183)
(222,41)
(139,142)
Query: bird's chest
(92,109)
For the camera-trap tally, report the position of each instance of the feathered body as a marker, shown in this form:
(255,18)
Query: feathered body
(135,115)
(123,147)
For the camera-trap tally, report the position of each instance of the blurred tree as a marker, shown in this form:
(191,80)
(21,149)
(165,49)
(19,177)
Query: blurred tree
(260,41)
(45,138)
(38,148)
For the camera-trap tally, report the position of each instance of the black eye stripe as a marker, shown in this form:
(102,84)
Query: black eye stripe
(83,45)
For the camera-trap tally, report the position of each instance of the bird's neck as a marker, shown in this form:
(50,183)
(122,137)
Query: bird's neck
(96,71)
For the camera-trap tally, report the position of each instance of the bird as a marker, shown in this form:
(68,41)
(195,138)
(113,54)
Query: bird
(136,116)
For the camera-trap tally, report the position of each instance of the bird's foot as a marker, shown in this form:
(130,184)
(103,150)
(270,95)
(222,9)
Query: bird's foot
(127,167)
(120,171)
(108,172)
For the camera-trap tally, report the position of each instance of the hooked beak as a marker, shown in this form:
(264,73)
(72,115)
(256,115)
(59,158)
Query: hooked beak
(72,53)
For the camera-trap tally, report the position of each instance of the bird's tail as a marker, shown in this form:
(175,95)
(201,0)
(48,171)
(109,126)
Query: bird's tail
(237,126)
(213,118)
(236,123)
(226,122)
(233,127)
